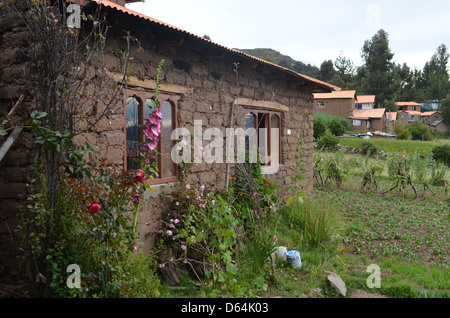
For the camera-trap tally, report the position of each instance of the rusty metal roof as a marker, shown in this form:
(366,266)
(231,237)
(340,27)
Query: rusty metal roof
(320,84)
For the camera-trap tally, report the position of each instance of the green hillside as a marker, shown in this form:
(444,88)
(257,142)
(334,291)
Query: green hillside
(283,60)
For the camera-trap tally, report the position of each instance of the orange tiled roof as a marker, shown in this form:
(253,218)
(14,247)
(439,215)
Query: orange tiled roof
(407,104)
(336,95)
(368,113)
(426,114)
(365,99)
(320,84)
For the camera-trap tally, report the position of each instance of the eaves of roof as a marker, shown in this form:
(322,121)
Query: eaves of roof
(319,84)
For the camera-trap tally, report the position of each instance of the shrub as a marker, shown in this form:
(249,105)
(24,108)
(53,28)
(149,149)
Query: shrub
(328,140)
(419,131)
(319,128)
(368,148)
(442,154)
(336,128)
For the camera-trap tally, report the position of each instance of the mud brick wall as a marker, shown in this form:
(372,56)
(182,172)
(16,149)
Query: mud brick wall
(204,69)
(15,168)
(339,107)
(212,89)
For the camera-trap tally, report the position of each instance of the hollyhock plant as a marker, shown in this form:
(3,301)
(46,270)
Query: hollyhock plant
(139,176)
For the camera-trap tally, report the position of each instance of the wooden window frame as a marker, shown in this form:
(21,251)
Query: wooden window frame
(269,133)
(141,97)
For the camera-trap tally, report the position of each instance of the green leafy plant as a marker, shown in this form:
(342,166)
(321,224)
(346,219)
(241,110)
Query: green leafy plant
(328,140)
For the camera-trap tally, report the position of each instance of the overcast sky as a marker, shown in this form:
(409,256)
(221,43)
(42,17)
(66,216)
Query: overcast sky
(313,31)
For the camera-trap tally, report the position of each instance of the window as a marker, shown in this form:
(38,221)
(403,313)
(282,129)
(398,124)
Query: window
(356,122)
(268,135)
(138,108)
(320,104)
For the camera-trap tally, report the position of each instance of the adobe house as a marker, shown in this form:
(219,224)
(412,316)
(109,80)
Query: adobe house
(198,82)
(434,120)
(430,117)
(357,109)
(366,120)
(408,116)
(365,102)
(408,106)
(338,103)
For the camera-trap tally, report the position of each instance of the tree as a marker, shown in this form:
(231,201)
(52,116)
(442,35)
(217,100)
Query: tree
(327,70)
(378,67)
(419,131)
(345,67)
(438,72)
(445,108)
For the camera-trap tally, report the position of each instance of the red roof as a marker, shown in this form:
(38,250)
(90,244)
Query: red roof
(322,85)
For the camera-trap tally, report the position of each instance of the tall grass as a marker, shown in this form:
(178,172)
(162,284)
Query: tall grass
(310,224)
(396,146)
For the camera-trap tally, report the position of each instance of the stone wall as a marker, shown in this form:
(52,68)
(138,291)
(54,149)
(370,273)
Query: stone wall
(341,107)
(15,168)
(207,75)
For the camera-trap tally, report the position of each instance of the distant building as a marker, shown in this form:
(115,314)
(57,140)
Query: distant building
(365,120)
(338,103)
(408,106)
(359,110)
(365,102)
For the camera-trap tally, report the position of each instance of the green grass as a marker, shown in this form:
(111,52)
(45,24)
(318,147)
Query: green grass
(396,146)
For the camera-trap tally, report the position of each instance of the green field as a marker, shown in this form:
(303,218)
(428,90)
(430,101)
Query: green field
(396,146)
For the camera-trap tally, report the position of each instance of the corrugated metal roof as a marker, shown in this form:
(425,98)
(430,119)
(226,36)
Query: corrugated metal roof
(321,84)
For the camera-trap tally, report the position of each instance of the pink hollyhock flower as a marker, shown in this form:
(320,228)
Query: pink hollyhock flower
(183,247)
(137,198)
(169,233)
(188,186)
(152,145)
(139,175)
(213,202)
(266,185)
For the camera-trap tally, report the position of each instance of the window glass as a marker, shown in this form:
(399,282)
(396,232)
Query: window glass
(274,140)
(249,124)
(356,122)
(132,130)
(168,168)
(262,137)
